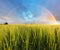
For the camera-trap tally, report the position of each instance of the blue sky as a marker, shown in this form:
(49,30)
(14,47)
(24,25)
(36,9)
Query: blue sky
(27,10)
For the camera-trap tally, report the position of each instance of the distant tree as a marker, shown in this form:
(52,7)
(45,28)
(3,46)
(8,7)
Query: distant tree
(5,23)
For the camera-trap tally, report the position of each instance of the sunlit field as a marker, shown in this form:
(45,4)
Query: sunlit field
(30,37)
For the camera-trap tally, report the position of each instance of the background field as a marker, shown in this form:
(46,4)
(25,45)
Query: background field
(30,37)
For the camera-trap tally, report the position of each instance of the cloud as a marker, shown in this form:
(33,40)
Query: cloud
(12,20)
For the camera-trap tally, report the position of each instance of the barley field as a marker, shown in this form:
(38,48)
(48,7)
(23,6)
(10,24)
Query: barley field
(30,37)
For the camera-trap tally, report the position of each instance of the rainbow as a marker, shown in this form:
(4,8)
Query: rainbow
(47,16)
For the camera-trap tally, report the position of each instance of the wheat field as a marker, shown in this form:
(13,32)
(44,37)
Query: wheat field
(30,37)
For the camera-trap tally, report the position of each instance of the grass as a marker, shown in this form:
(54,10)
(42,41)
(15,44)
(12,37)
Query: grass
(30,37)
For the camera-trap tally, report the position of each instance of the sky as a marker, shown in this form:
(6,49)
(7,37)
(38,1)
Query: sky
(29,11)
